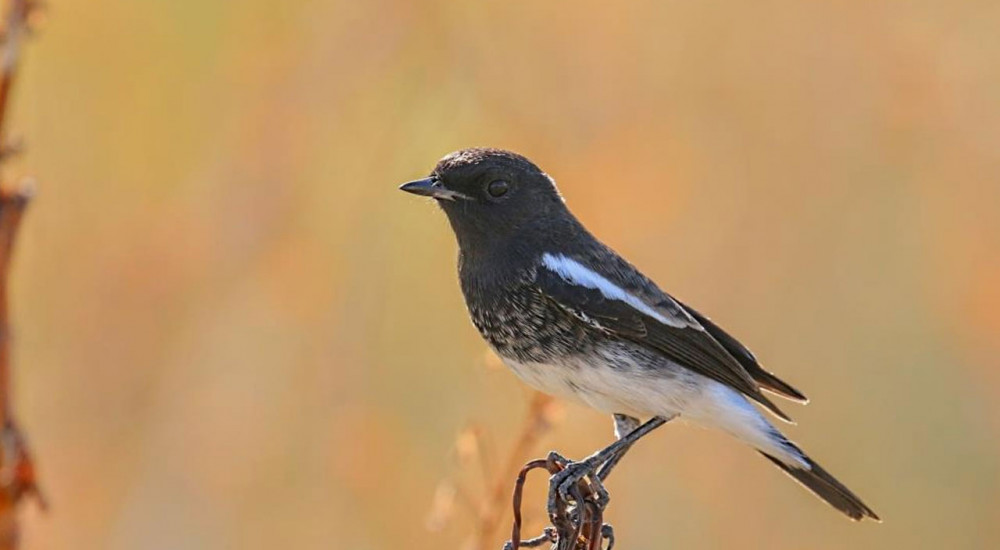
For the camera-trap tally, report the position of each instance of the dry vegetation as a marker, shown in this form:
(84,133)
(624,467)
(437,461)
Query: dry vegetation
(487,507)
(17,471)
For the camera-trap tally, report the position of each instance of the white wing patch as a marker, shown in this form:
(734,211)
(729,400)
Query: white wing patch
(576,273)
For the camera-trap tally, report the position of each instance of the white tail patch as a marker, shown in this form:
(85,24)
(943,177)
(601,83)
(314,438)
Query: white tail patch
(725,409)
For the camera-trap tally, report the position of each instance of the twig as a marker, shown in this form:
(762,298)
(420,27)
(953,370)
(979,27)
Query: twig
(515,537)
(488,506)
(17,472)
(577,523)
(535,425)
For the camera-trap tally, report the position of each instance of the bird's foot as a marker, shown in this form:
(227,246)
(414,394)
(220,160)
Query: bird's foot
(576,482)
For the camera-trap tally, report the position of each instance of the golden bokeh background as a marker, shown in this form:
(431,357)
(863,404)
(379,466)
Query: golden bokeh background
(233,332)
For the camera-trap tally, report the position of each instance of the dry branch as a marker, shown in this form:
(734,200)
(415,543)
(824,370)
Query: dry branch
(577,495)
(17,472)
(576,525)
(489,505)
(536,423)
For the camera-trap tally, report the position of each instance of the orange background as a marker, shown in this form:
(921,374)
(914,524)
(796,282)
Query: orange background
(233,332)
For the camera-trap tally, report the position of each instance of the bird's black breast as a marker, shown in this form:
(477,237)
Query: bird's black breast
(520,322)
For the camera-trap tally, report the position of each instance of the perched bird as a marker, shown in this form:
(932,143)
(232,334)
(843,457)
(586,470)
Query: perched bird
(574,319)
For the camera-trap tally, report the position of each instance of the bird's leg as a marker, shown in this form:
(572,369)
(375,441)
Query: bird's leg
(563,482)
(624,425)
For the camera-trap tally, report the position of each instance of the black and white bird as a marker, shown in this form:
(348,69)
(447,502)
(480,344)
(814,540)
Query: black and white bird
(574,319)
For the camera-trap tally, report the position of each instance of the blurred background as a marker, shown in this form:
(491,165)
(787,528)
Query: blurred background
(222,304)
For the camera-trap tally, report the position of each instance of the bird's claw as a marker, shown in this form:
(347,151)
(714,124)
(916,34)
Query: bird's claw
(557,461)
(608,532)
(566,482)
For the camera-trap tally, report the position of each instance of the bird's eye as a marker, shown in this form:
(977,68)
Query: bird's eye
(497,188)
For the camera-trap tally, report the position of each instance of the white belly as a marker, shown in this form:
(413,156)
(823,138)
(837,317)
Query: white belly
(623,388)
(614,385)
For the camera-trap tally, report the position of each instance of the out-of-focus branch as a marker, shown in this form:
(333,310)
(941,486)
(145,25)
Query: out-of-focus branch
(17,474)
(536,423)
(14,30)
(489,507)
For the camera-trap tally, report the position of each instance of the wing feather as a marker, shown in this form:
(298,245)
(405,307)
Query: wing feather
(765,379)
(669,330)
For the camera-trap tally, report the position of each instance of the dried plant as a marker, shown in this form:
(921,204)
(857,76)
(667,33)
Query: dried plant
(17,472)
(577,524)
(489,507)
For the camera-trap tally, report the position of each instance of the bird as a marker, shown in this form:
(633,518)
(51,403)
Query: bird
(572,318)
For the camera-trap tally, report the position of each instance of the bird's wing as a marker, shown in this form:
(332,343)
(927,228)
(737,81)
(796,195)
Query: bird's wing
(663,325)
(746,358)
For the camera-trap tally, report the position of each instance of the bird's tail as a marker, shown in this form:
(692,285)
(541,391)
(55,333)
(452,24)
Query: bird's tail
(725,409)
(823,485)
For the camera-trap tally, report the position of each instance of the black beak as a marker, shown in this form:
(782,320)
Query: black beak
(431,187)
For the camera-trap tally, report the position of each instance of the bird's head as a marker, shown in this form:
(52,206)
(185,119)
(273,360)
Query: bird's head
(491,196)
